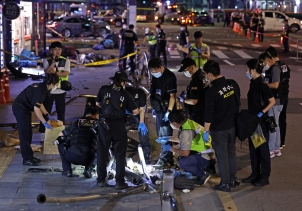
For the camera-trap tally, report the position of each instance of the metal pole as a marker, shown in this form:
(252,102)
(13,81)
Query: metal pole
(297,49)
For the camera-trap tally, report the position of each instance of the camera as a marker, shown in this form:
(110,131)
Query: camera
(271,124)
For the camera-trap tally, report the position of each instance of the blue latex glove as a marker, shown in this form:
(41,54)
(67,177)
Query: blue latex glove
(51,118)
(143,45)
(166,147)
(153,112)
(260,114)
(166,116)
(128,112)
(181,99)
(205,136)
(162,140)
(142,128)
(188,45)
(46,125)
(198,51)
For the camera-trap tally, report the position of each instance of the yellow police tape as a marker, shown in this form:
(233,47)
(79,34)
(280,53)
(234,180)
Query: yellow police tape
(108,61)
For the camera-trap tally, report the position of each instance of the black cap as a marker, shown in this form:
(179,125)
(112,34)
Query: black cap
(285,20)
(197,34)
(56,45)
(131,26)
(120,74)
(185,63)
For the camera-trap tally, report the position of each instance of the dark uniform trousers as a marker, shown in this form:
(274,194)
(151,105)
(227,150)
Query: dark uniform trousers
(124,52)
(161,49)
(117,135)
(260,157)
(285,44)
(261,31)
(23,118)
(282,119)
(69,158)
(60,107)
(223,143)
(164,129)
(152,49)
(143,139)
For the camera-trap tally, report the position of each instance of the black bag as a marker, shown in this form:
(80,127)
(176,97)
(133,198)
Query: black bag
(246,124)
(66,85)
(182,182)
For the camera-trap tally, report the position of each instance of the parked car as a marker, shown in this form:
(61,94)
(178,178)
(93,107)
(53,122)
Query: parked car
(75,25)
(111,18)
(202,18)
(274,21)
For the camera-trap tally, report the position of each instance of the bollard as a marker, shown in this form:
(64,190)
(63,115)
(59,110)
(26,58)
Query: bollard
(256,38)
(168,199)
(6,87)
(297,49)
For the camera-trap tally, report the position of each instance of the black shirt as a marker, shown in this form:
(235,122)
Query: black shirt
(221,104)
(196,91)
(128,38)
(138,96)
(31,96)
(161,37)
(285,76)
(182,37)
(258,95)
(161,88)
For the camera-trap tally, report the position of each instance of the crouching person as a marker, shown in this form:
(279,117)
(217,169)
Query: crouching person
(195,156)
(77,143)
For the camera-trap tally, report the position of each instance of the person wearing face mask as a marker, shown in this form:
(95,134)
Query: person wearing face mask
(120,34)
(161,43)
(221,106)
(195,155)
(273,78)
(184,39)
(113,100)
(163,97)
(285,36)
(254,24)
(150,37)
(61,66)
(260,100)
(199,51)
(31,99)
(261,24)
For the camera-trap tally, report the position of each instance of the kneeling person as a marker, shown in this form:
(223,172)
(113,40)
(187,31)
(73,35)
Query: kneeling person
(77,144)
(195,154)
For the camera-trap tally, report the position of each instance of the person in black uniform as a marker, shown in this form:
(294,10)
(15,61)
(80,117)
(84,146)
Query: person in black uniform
(139,98)
(285,82)
(129,38)
(113,101)
(77,144)
(285,34)
(221,105)
(254,24)
(163,97)
(161,43)
(260,100)
(120,34)
(261,24)
(31,99)
(184,39)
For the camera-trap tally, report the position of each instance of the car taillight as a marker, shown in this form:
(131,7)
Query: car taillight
(54,24)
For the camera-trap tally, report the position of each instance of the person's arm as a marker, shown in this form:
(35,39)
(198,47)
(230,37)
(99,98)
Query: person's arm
(191,101)
(187,39)
(43,110)
(142,114)
(207,126)
(66,71)
(98,104)
(206,54)
(60,134)
(172,101)
(185,141)
(209,109)
(38,113)
(49,68)
(276,71)
(144,40)
(135,111)
(271,103)
(180,152)
(273,85)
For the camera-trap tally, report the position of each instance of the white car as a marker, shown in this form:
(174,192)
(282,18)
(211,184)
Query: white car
(274,21)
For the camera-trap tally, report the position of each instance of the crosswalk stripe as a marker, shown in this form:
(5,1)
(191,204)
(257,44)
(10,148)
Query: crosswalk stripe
(242,54)
(175,57)
(222,47)
(173,52)
(230,63)
(219,54)
(238,45)
(295,46)
(275,45)
(256,45)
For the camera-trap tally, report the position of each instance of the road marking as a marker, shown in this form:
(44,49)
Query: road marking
(175,57)
(275,45)
(226,61)
(169,38)
(242,54)
(179,47)
(295,46)
(173,52)
(222,47)
(256,45)
(258,52)
(219,54)
(300,103)
(238,45)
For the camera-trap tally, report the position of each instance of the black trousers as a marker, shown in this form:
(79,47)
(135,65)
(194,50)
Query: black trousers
(223,143)
(163,129)
(59,99)
(161,49)
(260,157)
(152,49)
(117,136)
(125,52)
(282,120)
(69,158)
(23,118)
(285,44)
(261,31)
(143,139)
(245,28)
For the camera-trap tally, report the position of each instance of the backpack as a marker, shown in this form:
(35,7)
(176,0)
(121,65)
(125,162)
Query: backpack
(181,182)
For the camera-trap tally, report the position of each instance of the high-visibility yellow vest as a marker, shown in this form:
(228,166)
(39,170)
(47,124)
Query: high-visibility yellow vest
(198,59)
(61,64)
(151,38)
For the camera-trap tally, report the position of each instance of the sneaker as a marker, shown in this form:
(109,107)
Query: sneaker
(234,183)
(277,153)
(222,187)
(261,182)
(36,159)
(101,183)
(200,181)
(280,148)
(272,154)
(121,185)
(87,172)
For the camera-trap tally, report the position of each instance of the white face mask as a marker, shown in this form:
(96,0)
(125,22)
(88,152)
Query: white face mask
(158,30)
(54,88)
(187,74)
(156,75)
(173,127)
(182,28)
(266,67)
(124,27)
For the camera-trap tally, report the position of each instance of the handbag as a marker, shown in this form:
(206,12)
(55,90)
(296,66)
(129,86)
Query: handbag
(66,85)
(258,138)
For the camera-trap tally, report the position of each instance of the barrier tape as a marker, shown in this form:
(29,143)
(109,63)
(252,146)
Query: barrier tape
(108,61)
(60,35)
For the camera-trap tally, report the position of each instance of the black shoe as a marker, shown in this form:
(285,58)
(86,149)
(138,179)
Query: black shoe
(202,180)
(211,170)
(249,180)
(261,182)
(101,184)
(121,185)
(36,159)
(87,172)
(225,187)
(30,162)
(234,183)
(67,173)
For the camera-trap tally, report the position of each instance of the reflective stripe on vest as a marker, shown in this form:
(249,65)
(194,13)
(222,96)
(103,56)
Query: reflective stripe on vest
(198,144)
(151,39)
(197,58)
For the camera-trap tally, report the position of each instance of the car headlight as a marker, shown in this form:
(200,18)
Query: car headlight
(108,27)
(111,20)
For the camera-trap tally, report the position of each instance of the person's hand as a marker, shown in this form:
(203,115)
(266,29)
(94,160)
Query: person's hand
(142,128)
(260,114)
(198,51)
(181,99)
(46,125)
(166,147)
(205,136)
(127,111)
(188,45)
(166,116)
(51,118)
(153,112)
(56,142)
(162,140)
